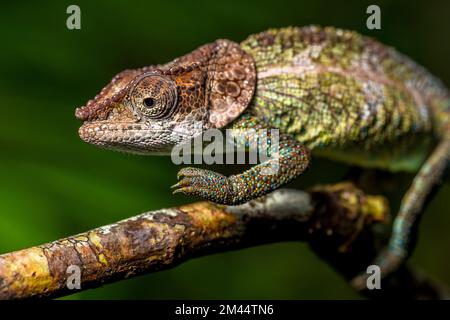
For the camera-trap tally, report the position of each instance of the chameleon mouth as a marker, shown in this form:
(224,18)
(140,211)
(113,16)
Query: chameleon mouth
(98,131)
(125,137)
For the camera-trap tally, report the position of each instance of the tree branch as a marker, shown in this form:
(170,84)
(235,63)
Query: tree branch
(336,220)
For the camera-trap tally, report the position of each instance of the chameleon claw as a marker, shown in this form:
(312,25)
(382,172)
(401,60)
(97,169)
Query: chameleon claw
(185,190)
(179,175)
(176,185)
(182,183)
(205,184)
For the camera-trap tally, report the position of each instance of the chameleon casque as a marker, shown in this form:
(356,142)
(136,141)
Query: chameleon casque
(332,93)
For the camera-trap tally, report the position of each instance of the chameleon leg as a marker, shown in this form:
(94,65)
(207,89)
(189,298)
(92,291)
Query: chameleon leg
(411,208)
(261,179)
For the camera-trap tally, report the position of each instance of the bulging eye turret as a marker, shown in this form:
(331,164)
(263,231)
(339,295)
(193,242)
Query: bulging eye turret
(154,96)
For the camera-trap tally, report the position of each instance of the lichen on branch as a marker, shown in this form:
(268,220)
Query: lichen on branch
(335,219)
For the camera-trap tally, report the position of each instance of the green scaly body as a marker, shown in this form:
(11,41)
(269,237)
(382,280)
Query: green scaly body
(346,97)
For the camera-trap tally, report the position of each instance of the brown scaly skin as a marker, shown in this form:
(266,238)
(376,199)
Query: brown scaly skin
(179,93)
(329,91)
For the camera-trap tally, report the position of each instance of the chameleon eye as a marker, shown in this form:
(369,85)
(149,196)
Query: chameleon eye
(154,96)
(149,102)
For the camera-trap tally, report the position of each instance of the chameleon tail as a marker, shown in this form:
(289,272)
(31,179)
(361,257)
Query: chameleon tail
(429,176)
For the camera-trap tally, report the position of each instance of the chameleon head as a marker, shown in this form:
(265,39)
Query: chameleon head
(152,109)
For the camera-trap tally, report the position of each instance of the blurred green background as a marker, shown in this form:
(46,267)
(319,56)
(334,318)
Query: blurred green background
(53,185)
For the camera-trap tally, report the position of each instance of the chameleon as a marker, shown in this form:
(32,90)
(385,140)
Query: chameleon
(330,92)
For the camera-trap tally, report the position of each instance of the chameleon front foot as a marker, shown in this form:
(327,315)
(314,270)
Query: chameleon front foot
(205,184)
(259,180)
